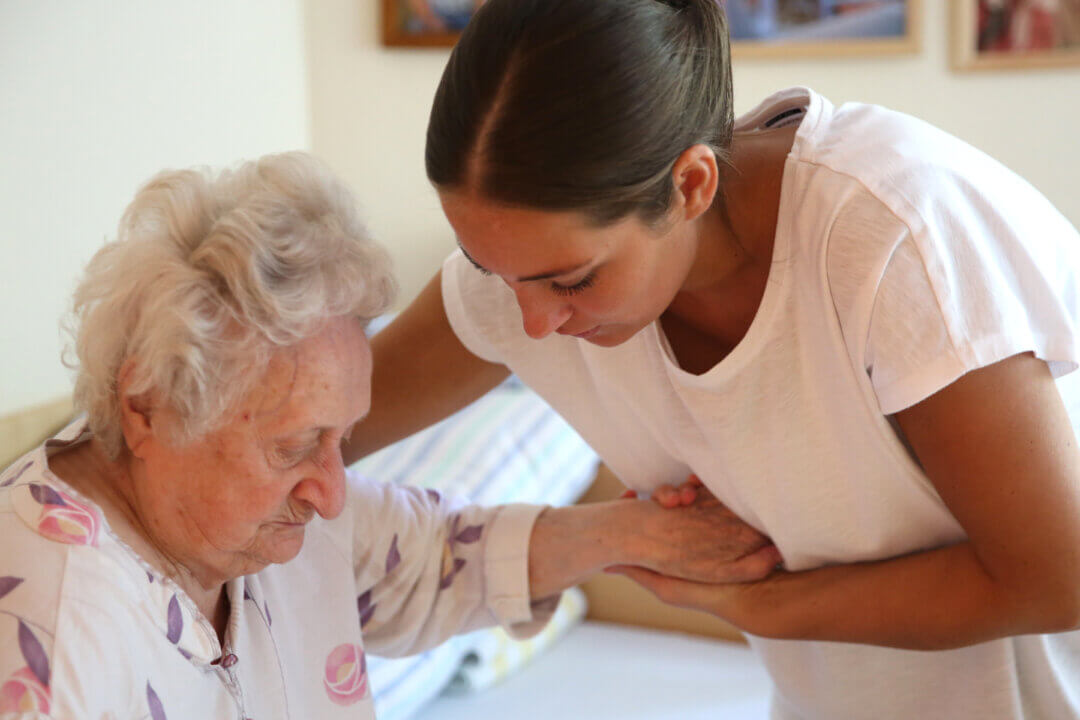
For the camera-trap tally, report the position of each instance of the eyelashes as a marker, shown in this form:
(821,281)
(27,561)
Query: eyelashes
(563,290)
(584,284)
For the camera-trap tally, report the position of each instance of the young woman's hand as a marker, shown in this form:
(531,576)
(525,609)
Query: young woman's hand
(671,496)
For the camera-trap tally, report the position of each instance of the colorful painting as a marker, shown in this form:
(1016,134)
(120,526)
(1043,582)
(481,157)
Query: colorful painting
(758,27)
(822,27)
(425,22)
(997,34)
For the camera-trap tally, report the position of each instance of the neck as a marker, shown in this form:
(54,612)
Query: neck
(113,486)
(734,240)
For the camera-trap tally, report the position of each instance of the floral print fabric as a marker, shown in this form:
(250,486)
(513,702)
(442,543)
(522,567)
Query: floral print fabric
(89,630)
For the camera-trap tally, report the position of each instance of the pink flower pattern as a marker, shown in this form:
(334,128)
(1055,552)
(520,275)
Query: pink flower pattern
(346,674)
(64,520)
(23,692)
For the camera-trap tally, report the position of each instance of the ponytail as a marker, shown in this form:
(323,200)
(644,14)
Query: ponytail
(581,104)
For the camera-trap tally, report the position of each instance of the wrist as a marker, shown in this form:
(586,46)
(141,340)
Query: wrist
(570,544)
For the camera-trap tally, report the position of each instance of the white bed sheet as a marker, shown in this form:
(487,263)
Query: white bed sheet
(602,671)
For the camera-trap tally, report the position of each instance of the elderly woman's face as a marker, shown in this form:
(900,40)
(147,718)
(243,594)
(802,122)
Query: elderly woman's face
(238,499)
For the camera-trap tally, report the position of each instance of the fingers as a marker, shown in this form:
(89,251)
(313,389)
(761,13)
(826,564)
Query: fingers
(667,496)
(754,566)
(672,496)
(672,591)
(687,494)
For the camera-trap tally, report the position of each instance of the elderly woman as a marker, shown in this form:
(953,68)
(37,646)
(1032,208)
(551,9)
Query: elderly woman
(194,548)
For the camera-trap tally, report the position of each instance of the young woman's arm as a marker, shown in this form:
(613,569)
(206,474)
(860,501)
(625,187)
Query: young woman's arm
(999,448)
(422,373)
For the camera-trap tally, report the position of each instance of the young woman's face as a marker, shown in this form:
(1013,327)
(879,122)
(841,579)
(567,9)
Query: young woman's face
(601,284)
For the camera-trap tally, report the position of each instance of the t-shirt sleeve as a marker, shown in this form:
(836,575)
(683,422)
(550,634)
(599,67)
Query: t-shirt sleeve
(481,309)
(979,278)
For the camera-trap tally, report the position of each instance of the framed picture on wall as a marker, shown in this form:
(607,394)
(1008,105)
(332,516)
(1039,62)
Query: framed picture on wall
(425,23)
(759,28)
(998,34)
(789,28)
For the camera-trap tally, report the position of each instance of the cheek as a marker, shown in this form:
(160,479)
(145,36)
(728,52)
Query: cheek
(239,487)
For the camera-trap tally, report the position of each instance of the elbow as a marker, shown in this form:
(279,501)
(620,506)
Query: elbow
(1064,616)
(1055,607)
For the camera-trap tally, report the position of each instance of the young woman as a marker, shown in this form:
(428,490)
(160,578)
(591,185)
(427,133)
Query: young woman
(847,323)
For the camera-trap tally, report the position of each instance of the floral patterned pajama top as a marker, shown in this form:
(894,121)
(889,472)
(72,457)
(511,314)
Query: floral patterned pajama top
(88,631)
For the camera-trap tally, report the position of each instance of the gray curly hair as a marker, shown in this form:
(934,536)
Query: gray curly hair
(209,274)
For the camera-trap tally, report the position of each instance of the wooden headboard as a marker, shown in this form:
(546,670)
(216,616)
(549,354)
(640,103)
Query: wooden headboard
(23,430)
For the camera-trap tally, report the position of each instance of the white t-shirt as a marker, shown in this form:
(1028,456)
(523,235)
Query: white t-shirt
(903,258)
(89,631)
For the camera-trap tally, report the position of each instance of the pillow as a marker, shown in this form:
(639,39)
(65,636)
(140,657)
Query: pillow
(508,446)
(493,655)
(402,686)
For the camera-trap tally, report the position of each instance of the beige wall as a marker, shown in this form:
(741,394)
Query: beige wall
(95,96)
(370,107)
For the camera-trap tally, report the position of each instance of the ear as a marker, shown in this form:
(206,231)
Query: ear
(136,412)
(696,178)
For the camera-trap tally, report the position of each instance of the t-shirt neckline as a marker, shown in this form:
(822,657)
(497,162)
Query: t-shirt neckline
(773,106)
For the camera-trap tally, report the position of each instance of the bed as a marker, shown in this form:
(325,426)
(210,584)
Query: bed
(606,671)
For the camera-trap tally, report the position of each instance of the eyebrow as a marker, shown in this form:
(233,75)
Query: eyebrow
(530,278)
(318,430)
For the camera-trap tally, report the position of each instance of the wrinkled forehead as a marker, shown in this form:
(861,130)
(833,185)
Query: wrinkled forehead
(326,375)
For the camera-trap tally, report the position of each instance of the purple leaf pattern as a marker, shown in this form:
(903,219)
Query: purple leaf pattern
(175,621)
(45,495)
(8,583)
(366,609)
(434,495)
(451,564)
(11,480)
(393,558)
(448,578)
(34,654)
(470,534)
(157,712)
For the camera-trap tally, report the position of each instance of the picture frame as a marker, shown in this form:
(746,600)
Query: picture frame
(841,28)
(761,28)
(1015,34)
(416,23)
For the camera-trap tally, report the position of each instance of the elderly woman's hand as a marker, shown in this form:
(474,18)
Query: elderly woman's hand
(685,532)
(702,541)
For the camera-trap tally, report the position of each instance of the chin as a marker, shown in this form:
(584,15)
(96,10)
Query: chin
(280,549)
(614,336)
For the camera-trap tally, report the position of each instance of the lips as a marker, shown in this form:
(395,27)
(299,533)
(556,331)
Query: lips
(582,335)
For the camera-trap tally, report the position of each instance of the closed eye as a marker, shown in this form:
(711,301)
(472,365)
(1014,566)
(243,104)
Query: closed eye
(581,286)
(293,456)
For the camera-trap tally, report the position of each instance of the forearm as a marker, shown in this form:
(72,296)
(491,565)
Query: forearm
(931,600)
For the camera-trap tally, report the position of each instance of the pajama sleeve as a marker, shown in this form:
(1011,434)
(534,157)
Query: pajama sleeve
(429,567)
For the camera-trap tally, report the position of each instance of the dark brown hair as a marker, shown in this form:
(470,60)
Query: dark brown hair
(581,104)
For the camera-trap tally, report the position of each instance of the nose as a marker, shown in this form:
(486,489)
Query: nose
(324,487)
(541,316)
